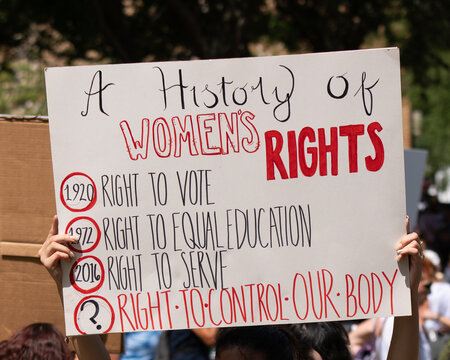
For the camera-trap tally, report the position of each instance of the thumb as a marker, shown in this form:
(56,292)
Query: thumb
(407,225)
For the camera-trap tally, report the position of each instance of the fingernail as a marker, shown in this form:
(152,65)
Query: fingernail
(71,254)
(399,252)
(75,238)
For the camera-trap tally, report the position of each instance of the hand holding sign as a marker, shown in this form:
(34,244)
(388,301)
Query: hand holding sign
(54,249)
(411,245)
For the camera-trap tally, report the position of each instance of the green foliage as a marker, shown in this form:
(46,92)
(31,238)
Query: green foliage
(433,100)
(134,30)
(426,37)
(327,25)
(22,89)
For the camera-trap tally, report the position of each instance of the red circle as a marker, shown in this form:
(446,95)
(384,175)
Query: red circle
(94,197)
(79,305)
(95,288)
(97,241)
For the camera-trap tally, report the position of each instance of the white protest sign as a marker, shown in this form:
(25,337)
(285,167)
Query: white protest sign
(230,192)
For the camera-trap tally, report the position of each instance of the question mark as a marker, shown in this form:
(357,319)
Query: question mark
(92,318)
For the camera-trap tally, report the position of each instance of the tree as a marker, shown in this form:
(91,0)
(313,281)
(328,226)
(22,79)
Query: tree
(130,31)
(142,30)
(138,30)
(434,100)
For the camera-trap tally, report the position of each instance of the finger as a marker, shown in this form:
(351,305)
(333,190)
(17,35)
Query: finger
(56,248)
(52,260)
(407,224)
(54,228)
(413,253)
(414,242)
(413,248)
(409,250)
(63,238)
(48,247)
(61,248)
(407,239)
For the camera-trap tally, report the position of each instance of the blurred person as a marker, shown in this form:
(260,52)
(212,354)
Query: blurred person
(445,353)
(379,332)
(140,345)
(447,270)
(39,341)
(443,237)
(191,344)
(187,344)
(435,311)
(436,327)
(430,221)
(271,342)
(329,339)
(309,341)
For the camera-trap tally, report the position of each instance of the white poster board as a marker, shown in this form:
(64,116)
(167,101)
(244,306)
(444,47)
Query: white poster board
(230,192)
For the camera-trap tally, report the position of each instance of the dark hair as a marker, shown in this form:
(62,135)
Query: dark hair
(275,342)
(329,339)
(38,341)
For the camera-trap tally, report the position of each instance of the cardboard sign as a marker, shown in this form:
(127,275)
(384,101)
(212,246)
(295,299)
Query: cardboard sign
(27,204)
(230,192)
